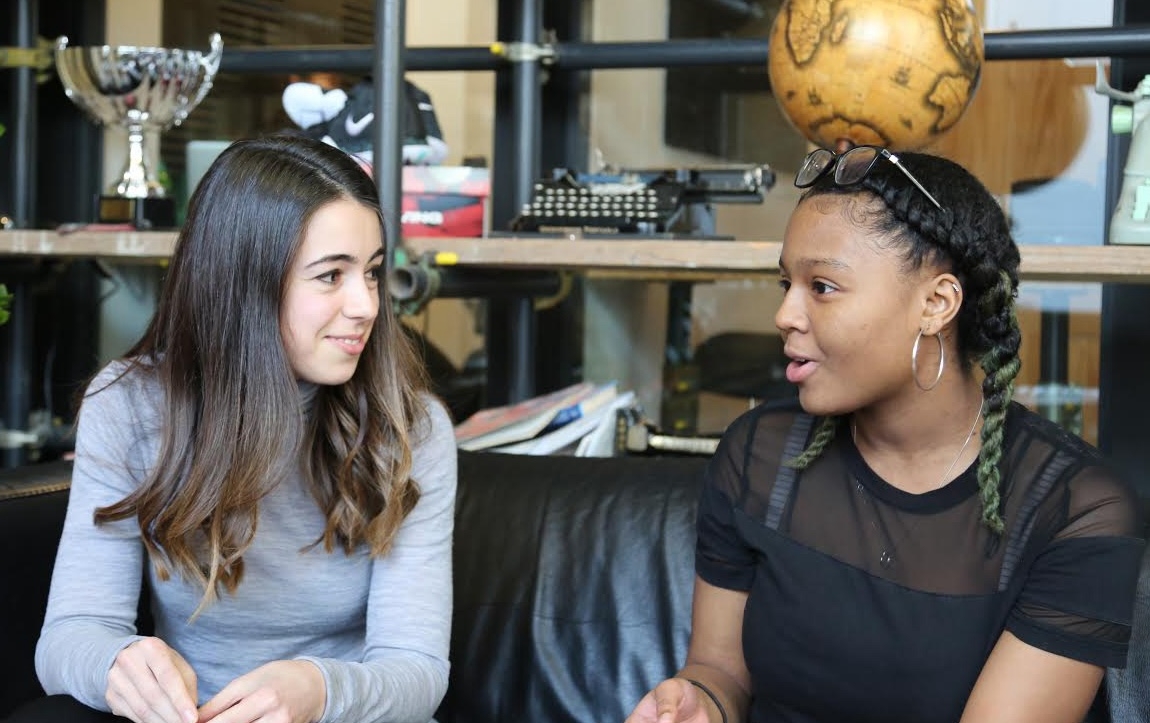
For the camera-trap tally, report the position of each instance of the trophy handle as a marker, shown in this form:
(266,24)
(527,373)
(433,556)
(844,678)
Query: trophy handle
(211,65)
(61,71)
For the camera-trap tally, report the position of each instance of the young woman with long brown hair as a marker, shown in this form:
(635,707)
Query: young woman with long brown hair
(268,462)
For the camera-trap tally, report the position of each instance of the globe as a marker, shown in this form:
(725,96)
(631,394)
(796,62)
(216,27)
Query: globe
(894,73)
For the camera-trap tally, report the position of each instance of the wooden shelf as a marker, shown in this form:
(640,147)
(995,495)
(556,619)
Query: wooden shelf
(629,258)
(719,259)
(121,245)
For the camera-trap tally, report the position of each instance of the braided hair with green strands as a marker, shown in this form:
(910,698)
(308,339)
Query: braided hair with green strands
(969,237)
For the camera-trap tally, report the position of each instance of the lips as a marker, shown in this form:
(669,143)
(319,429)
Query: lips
(799,371)
(800,367)
(353,345)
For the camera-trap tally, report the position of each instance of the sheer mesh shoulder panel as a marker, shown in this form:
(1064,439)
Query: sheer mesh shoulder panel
(737,481)
(1100,505)
(779,434)
(1085,551)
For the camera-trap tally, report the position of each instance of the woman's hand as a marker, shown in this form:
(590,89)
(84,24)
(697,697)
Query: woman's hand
(286,691)
(151,683)
(672,701)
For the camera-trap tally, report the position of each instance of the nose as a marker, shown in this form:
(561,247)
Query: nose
(361,300)
(791,316)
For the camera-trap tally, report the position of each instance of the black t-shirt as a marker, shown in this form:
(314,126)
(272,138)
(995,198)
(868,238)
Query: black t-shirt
(868,603)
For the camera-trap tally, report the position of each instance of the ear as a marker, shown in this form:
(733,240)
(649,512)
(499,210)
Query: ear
(942,300)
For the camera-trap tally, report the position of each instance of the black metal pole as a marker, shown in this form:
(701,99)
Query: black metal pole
(563,143)
(683,52)
(1015,45)
(387,151)
(488,283)
(1055,336)
(526,101)
(415,283)
(1133,41)
(524,332)
(17,334)
(526,111)
(17,347)
(1068,43)
(1124,395)
(354,59)
(24,121)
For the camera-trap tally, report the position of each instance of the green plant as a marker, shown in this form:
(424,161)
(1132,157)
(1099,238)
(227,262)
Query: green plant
(5,302)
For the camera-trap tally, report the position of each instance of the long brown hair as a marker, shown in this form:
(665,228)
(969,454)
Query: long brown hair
(232,419)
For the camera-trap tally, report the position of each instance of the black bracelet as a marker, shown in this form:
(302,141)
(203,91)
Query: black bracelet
(711,695)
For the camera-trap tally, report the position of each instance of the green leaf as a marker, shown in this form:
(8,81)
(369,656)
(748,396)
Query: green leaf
(5,303)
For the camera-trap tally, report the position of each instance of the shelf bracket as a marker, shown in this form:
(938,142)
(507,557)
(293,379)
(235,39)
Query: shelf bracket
(39,58)
(544,53)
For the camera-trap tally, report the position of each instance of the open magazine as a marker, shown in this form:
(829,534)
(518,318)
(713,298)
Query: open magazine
(592,435)
(543,424)
(516,422)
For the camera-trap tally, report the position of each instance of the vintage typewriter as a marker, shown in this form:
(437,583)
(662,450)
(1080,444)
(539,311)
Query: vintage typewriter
(637,201)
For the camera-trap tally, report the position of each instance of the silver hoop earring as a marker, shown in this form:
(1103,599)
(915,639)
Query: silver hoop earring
(914,361)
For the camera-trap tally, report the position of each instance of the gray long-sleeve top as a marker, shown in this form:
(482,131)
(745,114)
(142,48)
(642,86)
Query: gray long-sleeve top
(378,629)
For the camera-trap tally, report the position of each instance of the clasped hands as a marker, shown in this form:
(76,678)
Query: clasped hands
(152,683)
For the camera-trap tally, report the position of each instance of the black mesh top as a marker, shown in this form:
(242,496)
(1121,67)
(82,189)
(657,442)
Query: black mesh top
(868,603)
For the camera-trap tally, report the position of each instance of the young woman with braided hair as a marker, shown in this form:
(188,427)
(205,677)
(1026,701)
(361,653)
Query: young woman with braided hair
(906,543)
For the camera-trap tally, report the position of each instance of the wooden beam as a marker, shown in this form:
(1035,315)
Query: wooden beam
(622,257)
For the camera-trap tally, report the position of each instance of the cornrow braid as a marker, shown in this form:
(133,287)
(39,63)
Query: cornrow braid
(936,228)
(824,435)
(1000,364)
(1001,338)
(998,333)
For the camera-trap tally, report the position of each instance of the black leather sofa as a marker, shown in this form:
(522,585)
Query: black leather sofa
(573,586)
(572,582)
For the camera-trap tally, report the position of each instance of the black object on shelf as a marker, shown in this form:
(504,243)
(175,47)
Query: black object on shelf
(638,201)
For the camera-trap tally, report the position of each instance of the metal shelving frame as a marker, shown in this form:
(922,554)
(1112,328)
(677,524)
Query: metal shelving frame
(522,60)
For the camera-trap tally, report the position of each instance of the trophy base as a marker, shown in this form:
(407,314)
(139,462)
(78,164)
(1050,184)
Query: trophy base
(144,213)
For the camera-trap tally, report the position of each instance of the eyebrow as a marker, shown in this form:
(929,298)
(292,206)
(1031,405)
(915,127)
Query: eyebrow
(342,258)
(810,263)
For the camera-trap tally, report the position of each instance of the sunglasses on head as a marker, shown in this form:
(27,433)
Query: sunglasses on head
(851,167)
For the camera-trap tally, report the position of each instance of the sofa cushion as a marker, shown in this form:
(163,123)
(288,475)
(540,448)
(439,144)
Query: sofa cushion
(1127,689)
(32,500)
(573,585)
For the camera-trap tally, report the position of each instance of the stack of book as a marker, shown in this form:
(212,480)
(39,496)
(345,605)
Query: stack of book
(578,420)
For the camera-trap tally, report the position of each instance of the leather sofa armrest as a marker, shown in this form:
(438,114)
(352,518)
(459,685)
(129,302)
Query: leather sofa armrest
(33,501)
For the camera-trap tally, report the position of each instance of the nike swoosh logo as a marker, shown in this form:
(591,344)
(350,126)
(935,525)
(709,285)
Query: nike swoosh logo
(354,128)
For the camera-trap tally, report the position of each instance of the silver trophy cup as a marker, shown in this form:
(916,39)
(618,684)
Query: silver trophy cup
(141,89)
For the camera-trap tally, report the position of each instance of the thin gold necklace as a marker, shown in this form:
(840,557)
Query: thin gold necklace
(965,444)
(886,556)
